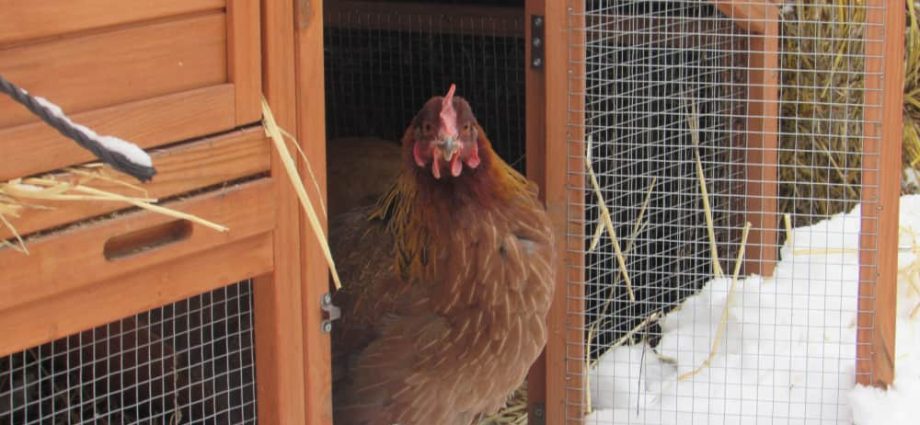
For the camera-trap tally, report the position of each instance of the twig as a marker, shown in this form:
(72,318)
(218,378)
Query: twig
(695,138)
(723,321)
(608,222)
(274,131)
(787,221)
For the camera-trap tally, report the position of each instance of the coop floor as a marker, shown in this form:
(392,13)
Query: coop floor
(786,356)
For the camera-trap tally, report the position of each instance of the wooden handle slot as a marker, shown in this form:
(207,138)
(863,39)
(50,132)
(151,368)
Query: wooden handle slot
(147,239)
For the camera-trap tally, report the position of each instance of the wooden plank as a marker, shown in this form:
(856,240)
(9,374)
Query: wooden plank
(279,304)
(424,17)
(881,172)
(181,169)
(535,139)
(762,152)
(75,258)
(245,59)
(99,70)
(36,148)
(29,19)
(564,133)
(102,302)
(754,16)
(311,132)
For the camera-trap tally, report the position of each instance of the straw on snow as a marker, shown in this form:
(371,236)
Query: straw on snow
(723,321)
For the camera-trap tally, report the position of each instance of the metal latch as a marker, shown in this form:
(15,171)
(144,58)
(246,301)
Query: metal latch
(332,313)
(537,40)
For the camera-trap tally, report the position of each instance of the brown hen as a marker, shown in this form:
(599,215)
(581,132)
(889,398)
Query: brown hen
(448,279)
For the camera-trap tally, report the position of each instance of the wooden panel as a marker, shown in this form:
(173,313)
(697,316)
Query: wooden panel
(69,260)
(27,19)
(750,15)
(535,133)
(245,61)
(35,148)
(311,131)
(415,17)
(181,169)
(279,316)
(762,154)
(105,69)
(564,75)
(102,302)
(881,173)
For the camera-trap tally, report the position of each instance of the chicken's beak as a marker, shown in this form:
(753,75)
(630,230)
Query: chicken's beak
(448,146)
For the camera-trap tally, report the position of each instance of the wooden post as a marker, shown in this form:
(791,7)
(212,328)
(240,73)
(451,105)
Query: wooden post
(881,173)
(535,133)
(279,319)
(564,181)
(761,188)
(311,132)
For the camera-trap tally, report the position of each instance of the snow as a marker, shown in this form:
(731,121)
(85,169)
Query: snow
(127,149)
(787,355)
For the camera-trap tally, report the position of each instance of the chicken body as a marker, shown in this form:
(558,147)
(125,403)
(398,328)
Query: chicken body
(448,280)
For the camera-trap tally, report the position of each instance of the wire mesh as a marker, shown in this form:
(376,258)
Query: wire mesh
(666,105)
(383,63)
(187,362)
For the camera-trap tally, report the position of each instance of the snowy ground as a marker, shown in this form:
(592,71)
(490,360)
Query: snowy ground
(787,355)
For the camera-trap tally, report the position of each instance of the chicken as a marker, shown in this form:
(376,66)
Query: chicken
(360,170)
(447,281)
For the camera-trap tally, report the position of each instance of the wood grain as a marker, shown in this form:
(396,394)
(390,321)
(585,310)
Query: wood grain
(279,315)
(104,301)
(73,259)
(881,174)
(36,148)
(245,59)
(85,73)
(762,154)
(535,139)
(311,131)
(564,134)
(181,169)
(29,19)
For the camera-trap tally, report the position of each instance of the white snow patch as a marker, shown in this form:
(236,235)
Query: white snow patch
(129,150)
(788,352)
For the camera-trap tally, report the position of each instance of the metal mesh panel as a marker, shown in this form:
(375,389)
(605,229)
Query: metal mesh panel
(383,64)
(667,106)
(187,362)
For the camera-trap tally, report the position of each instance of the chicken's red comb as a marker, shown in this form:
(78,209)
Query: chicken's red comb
(448,113)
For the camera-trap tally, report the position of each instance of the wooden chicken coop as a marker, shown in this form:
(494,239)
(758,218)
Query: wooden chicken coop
(657,130)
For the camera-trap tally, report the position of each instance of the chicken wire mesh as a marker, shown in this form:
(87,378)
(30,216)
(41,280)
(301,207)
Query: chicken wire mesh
(187,362)
(383,62)
(670,135)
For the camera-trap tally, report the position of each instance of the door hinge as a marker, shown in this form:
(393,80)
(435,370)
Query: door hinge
(537,41)
(331,313)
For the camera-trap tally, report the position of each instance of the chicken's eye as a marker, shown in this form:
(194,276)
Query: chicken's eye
(426,127)
(467,127)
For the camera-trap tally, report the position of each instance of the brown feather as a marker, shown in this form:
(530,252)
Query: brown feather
(447,283)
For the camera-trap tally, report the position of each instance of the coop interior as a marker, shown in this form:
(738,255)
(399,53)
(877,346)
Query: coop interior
(384,59)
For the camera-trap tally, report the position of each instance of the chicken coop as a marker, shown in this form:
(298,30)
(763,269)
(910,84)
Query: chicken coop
(713,168)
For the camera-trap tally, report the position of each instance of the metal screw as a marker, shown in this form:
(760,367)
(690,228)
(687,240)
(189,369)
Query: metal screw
(538,21)
(537,62)
(327,299)
(538,411)
(327,326)
(537,42)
